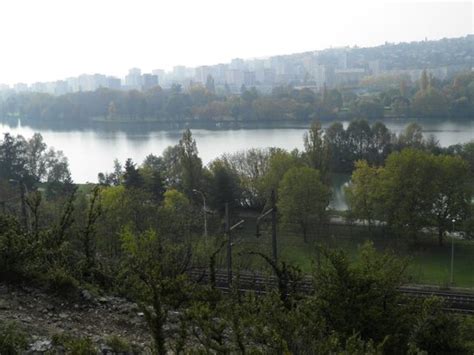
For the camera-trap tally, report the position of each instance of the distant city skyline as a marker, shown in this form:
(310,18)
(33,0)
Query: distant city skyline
(53,40)
(332,67)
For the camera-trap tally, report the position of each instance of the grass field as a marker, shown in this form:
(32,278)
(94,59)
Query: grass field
(429,263)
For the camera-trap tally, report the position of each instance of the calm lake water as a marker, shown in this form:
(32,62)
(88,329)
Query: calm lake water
(92,149)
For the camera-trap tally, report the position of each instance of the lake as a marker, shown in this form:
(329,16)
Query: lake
(91,149)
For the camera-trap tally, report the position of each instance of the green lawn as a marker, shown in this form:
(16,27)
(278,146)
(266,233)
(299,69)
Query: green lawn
(429,263)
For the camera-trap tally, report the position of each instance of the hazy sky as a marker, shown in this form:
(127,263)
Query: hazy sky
(45,40)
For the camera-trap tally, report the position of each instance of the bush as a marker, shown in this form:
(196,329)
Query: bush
(467,333)
(118,345)
(13,248)
(76,346)
(82,347)
(436,331)
(12,340)
(61,282)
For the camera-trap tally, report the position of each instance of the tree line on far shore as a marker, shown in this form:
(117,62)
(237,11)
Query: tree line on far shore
(381,97)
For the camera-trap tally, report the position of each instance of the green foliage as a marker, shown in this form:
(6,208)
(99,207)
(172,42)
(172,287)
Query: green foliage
(363,297)
(303,198)
(14,247)
(154,269)
(118,345)
(132,177)
(368,108)
(12,340)
(177,216)
(191,164)
(88,233)
(453,193)
(437,332)
(280,162)
(430,103)
(407,189)
(467,332)
(29,162)
(74,345)
(316,149)
(223,185)
(412,136)
(251,167)
(359,141)
(363,193)
(414,190)
(60,281)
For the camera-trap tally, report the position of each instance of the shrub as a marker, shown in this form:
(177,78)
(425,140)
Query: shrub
(13,248)
(81,347)
(118,345)
(76,346)
(12,340)
(61,282)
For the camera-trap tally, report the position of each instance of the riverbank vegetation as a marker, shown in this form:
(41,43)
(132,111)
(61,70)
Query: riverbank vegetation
(376,98)
(139,233)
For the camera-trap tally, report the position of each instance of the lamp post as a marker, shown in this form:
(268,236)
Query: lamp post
(452,252)
(204,209)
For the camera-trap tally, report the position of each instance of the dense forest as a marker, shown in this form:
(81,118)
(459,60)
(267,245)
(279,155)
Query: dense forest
(376,98)
(138,233)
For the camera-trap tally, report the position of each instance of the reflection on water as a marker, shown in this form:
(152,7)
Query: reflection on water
(338,184)
(91,148)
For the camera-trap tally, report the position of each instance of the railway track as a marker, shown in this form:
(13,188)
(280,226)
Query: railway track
(454,301)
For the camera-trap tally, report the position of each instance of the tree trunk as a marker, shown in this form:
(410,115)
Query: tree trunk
(156,322)
(440,236)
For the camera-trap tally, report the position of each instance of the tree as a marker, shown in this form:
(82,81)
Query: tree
(363,192)
(381,143)
(15,250)
(400,106)
(303,198)
(172,167)
(224,186)
(88,233)
(337,142)
(317,152)
(368,108)
(132,177)
(251,167)
(467,153)
(407,187)
(155,272)
(190,163)
(430,103)
(177,216)
(424,81)
(359,139)
(453,192)
(364,296)
(35,157)
(411,137)
(280,162)
(12,157)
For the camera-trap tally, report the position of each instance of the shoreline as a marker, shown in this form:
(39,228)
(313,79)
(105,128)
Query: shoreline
(205,125)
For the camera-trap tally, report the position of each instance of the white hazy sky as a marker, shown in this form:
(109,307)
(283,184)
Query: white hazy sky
(43,40)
